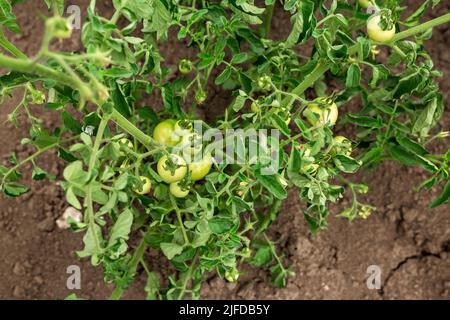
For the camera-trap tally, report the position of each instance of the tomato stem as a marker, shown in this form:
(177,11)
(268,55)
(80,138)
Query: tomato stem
(267,20)
(322,67)
(422,27)
(137,257)
(11,48)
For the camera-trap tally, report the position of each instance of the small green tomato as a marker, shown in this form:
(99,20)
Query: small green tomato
(255,107)
(59,27)
(310,168)
(232,275)
(376,33)
(341,145)
(327,115)
(200,96)
(125,143)
(264,83)
(173,170)
(183,127)
(200,169)
(146,186)
(365,3)
(185,66)
(177,191)
(165,133)
(191,144)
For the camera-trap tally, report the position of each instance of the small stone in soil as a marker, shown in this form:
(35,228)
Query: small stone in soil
(38,280)
(18,269)
(46,225)
(18,292)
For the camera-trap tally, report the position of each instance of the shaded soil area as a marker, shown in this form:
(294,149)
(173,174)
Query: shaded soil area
(409,242)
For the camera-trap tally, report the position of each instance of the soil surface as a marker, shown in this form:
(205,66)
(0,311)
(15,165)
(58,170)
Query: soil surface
(409,242)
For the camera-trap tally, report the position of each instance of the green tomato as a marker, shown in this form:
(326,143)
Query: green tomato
(185,66)
(327,115)
(59,27)
(182,128)
(173,170)
(310,168)
(177,191)
(365,3)
(191,145)
(376,33)
(165,133)
(246,252)
(341,145)
(146,186)
(200,96)
(264,83)
(201,168)
(126,143)
(232,275)
(255,107)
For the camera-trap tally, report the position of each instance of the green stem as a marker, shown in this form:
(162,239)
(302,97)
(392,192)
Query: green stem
(422,27)
(321,68)
(130,128)
(29,67)
(89,198)
(188,277)
(309,80)
(33,156)
(137,257)
(180,220)
(267,20)
(11,48)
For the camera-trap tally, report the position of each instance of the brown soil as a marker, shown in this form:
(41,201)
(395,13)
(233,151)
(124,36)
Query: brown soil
(408,241)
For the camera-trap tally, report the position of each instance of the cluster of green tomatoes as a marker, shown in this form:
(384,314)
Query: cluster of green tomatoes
(181,169)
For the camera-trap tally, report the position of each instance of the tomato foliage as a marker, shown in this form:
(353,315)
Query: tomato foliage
(125,169)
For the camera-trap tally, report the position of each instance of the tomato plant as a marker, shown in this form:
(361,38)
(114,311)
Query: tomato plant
(213,212)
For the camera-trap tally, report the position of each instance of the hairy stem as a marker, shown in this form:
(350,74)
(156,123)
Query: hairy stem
(267,20)
(11,48)
(422,27)
(137,257)
(321,68)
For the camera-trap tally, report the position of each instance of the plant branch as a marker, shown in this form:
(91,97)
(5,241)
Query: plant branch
(137,257)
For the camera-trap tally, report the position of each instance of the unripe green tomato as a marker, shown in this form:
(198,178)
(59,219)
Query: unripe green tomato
(310,168)
(376,33)
(200,169)
(182,128)
(164,133)
(127,143)
(232,275)
(246,252)
(60,27)
(364,3)
(341,145)
(146,186)
(264,83)
(327,116)
(255,107)
(185,66)
(200,96)
(177,191)
(275,103)
(191,145)
(174,175)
